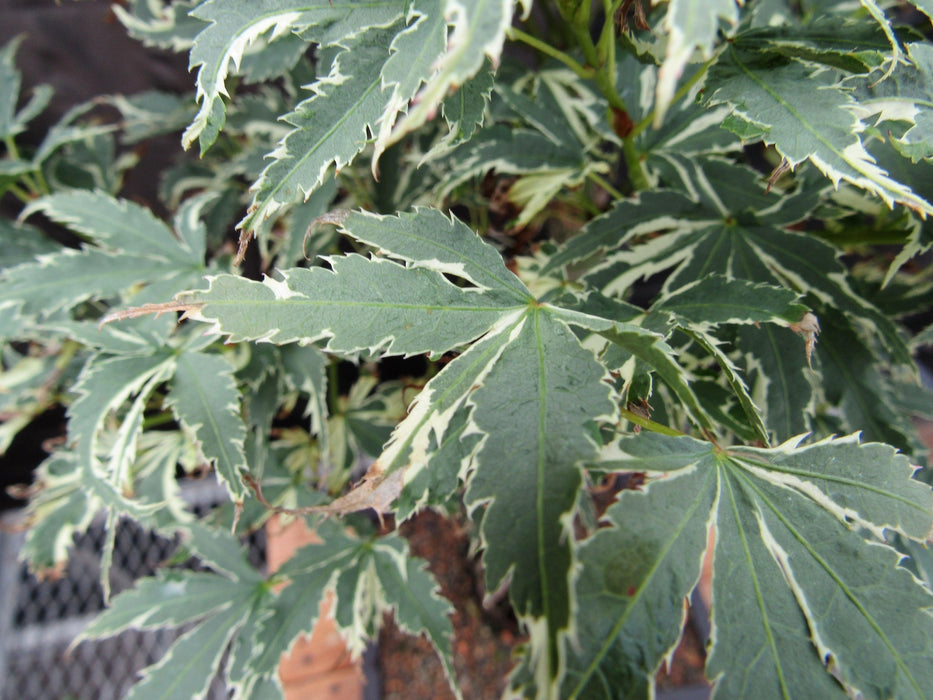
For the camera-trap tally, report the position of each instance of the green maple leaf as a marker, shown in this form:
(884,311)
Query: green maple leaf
(798,574)
(205,399)
(131,247)
(522,381)
(819,124)
(689,26)
(864,48)
(221,605)
(904,96)
(727,228)
(414,52)
(565,126)
(169,26)
(235,24)
(478,33)
(369,577)
(12,120)
(330,128)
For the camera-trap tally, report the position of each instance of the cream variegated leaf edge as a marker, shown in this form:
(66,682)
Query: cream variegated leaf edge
(478,32)
(809,521)
(690,26)
(234,24)
(818,124)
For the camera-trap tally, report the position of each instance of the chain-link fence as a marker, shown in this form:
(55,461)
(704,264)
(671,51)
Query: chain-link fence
(39,619)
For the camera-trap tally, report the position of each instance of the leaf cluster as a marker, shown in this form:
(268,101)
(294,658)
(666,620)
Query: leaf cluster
(679,242)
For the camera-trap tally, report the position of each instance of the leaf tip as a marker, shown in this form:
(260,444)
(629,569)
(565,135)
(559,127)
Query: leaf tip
(246,234)
(146,309)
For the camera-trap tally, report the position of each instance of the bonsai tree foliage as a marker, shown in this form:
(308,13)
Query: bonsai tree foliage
(674,239)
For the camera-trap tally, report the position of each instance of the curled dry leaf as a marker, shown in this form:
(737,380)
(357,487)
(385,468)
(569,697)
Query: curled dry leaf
(246,235)
(146,309)
(809,328)
(376,490)
(784,167)
(335,218)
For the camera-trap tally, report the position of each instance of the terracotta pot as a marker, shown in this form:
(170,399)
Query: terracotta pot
(318,666)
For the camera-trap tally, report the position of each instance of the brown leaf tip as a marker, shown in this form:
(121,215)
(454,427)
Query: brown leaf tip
(809,328)
(147,309)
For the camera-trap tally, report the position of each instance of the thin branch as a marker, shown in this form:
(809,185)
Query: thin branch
(649,424)
(606,185)
(516,34)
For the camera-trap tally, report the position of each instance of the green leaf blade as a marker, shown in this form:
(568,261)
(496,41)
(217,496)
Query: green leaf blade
(115,223)
(634,578)
(411,591)
(415,51)
(362,304)
(331,128)
(427,443)
(761,644)
(478,32)
(815,124)
(311,571)
(651,211)
(167,601)
(104,384)
(11,80)
(653,351)
(690,26)
(869,483)
(716,299)
(189,666)
(234,24)
(430,239)
(205,400)
(63,280)
(538,430)
(871,617)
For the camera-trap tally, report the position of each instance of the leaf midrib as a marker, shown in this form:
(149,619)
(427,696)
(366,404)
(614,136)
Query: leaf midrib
(541,469)
(726,485)
(315,147)
(793,112)
(354,303)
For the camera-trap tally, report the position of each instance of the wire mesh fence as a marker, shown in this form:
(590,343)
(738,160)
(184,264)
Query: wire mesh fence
(42,617)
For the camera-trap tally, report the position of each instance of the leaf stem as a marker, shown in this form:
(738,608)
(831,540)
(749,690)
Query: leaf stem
(606,185)
(649,424)
(516,34)
(154,421)
(636,173)
(11,147)
(603,72)
(333,388)
(606,45)
(43,184)
(13,151)
(21,194)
